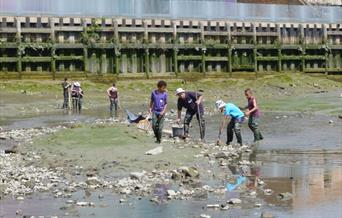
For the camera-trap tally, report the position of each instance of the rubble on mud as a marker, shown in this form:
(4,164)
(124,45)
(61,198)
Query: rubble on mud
(21,174)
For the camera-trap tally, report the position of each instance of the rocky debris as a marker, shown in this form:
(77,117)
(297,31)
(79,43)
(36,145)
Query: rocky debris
(122,200)
(234,201)
(224,207)
(26,135)
(20,198)
(204,216)
(93,181)
(331,121)
(20,178)
(260,182)
(171,194)
(268,192)
(257,205)
(213,206)
(85,204)
(137,175)
(155,151)
(285,196)
(19,212)
(189,172)
(266,215)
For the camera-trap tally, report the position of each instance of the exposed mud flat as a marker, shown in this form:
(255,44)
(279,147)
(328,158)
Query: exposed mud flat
(87,165)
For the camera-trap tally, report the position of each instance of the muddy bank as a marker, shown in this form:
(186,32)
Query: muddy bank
(88,165)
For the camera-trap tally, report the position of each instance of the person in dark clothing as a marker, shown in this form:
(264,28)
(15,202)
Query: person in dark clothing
(253,114)
(77,97)
(65,86)
(157,109)
(192,101)
(113,95)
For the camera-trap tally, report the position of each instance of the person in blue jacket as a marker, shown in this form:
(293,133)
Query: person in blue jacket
(236,119)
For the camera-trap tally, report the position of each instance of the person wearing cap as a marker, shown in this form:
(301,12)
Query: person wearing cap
(65,87)
(77,96)
(236,118)
(157,109)
(192,101)
(113,95)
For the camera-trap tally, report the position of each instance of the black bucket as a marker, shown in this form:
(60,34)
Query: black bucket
(177,131)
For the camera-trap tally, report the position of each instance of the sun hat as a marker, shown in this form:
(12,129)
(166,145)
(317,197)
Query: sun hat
(179,90)
(77,84)
(220,104)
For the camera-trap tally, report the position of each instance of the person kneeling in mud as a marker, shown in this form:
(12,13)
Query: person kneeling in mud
(157,109)
(236,119)
(192,101)
(77,96)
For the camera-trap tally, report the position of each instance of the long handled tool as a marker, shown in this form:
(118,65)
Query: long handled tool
(199,116)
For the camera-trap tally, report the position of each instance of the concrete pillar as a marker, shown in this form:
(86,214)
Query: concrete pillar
(254,34)
(202,32)
(104,63)
(279,59)
(230,61)
(52,28)
(303,60)
(203,61)
(301,34)
(147,63)
(116,61)
(175,61)
(325,34)
(145,32)
(255,61)
(174,32)
(116,31)
(85,60)
(19,55)
(53,61)
(229,33)
(278,33)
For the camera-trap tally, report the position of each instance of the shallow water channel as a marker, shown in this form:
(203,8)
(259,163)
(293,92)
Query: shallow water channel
(300,154)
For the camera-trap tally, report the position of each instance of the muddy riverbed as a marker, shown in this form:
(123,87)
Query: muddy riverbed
(296,171)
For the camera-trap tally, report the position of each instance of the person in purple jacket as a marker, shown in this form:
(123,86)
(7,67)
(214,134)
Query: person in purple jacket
(157,109)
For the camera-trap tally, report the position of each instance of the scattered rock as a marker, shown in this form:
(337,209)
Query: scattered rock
(85,204)
(93,181)
(205,216)
(257,205)
(189,172)
(19,212)
(122,201)
(268,191)
(20,198)
(155,151)
(266,215)
(171,193)
(213,206)
(234,201)
(137,175)
(224,207)
(331,121)
(285,195)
